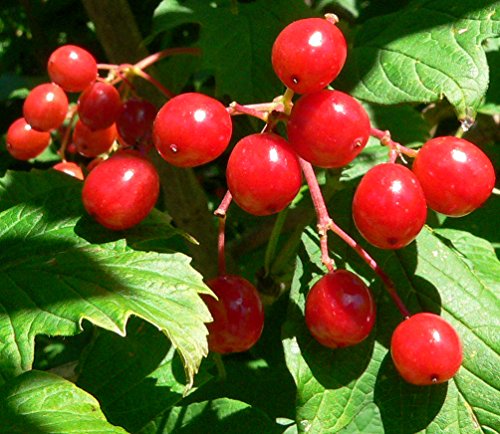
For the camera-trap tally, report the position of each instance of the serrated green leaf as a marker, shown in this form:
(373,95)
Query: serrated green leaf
(216,416)
(52,277)
(42,403)
(236,41)
(426,51)
(135,378)
(336,387)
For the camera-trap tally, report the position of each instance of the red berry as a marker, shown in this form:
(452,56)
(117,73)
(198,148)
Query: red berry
(426,349)
(121,191)
(91,143)
(456,176)
(340,310)
(389,206)
(328,128)
(192,129)
(263,174)
(45,107)
(23,142)
(99,105)
(238,315)
(72,68)
(135,123)
(69,168)
(308,54)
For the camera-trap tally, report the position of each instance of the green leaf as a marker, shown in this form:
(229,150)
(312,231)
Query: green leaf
(135,378)
(236,40)
(52,277)
(423,52)
(216,416)
(477,253)
(42,403)
(358,388)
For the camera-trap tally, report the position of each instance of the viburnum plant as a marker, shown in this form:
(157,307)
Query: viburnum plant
(344,282)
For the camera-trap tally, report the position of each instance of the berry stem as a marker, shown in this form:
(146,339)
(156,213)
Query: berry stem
(148,61)
(325,222)
(395,147)
(259,111)
(324,219)
(389,284)
(221,212)
(67,133)
(221,256)
(224,205)
(168,93)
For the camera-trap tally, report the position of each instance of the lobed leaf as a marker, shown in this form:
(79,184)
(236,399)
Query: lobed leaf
(59,268)
(424,52)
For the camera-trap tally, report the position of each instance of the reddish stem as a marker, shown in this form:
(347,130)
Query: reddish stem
(224,205)
(389,284)
(148,61)
(67,132)
(324,219)
(221,212)
(221,246)
(259,111)
(325,222)
(168,93)
(395,147)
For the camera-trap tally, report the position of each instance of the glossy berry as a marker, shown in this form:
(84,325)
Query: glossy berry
(45,107)
(71,67)
(308,54)
(135,123)
(99,105)
(192,129)
(23,142)
(426,349)
(328,128)
(456,176)
(340,310)
(69,168)
(389,206)
(263,174)
(121,191)
(238,315)
(91,143)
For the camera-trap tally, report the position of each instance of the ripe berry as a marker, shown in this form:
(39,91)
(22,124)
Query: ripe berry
(308,54)
(72,68)
(238,315)
(45,107)
(135,123)
(69,168)
(456,176)
(91,143)
(389,206)
(426,349)
(340,310)
(121,191)
(99,105)
(23,142)
(328,128)
(192,129)
(263,174)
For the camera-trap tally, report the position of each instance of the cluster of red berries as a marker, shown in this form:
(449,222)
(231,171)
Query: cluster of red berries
(326,128)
